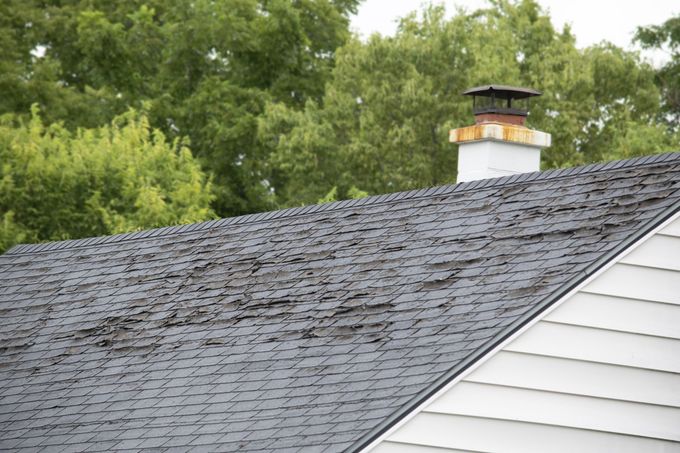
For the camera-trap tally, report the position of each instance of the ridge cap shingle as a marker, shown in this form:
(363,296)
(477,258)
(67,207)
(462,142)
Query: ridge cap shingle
(617,165)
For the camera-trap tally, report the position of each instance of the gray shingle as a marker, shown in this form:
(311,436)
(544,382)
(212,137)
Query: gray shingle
(297,330)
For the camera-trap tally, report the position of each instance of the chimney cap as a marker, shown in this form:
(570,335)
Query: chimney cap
(510,102)
(502,91)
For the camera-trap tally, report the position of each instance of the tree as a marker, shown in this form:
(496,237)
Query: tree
(206,68)
(56,184)
(383,122)
(278,117)
(666,37)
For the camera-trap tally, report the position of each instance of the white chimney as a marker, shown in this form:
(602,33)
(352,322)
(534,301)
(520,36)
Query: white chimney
(498,144)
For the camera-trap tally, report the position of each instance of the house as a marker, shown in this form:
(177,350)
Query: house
(531,312)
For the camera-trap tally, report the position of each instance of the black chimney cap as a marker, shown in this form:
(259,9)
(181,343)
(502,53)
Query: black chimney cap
(502,91)
(499,99)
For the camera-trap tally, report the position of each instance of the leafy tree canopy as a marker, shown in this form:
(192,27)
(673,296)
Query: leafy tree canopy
(207,68)
(667,38)
(56,184)
(382,124)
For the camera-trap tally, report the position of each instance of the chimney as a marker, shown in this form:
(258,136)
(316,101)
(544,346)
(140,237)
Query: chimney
(498,144)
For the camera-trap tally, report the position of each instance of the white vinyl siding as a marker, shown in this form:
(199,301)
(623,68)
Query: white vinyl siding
(395,447)
(579,377)
(639,282)
(672,229)
(660,251)
(599,373)
(491,435)
(600,345)
(621,314)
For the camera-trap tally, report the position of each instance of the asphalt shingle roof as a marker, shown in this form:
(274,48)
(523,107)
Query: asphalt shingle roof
(300,330)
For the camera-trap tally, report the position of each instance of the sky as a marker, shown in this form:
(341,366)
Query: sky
(592,21)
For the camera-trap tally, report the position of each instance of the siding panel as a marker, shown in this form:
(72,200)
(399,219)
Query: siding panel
(638,282)
(580,377)
(597,345)
(395,447)
(616,313)
(673,229)
(509,403)
(659,251)
(472,433)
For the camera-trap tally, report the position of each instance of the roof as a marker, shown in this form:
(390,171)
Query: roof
(502,91)
(302,330)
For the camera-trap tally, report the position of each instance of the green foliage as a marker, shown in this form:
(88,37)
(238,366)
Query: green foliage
(332,195)
(205,68)
(666,37)
(384,119)
(10,232)
(56,184)
(282,107)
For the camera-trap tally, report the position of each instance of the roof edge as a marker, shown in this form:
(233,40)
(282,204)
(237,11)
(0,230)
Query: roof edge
(494,342)
(24,249)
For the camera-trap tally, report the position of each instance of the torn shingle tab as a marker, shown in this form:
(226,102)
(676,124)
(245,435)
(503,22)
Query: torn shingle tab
(297,329)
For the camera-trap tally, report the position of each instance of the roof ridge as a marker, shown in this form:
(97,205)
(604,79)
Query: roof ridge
(536,176)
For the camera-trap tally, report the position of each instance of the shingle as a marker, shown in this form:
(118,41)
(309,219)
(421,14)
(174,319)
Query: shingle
(179,441)
(128,444)
(298,329)
(154,442)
